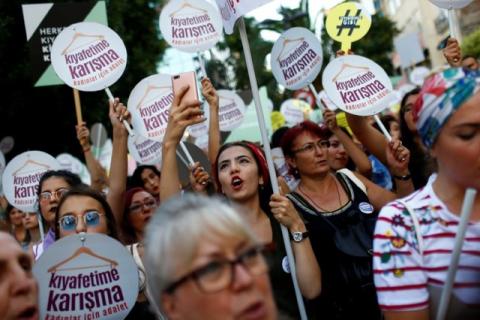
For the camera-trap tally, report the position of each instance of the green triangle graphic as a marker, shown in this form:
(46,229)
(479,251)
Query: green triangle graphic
(48,78)
(97,14)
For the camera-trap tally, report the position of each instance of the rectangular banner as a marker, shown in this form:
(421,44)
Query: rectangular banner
(231,10)
(44,21)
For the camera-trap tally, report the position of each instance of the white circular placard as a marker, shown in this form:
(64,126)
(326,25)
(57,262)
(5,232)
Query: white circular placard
(451,4)
(73,164)
(232,110)
(149,103)
(296,58)
(327,101)
(418,75)
(98,134)
(202,142)
(357,85)
(295,111)
(88,56)
(92,279)
(145,151)
(21,176)
(191,25)
(69,163)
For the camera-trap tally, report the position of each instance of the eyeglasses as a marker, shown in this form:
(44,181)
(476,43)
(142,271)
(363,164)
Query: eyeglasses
(47,195)
(69,221)
(137,208)
(219,274)
(310,147)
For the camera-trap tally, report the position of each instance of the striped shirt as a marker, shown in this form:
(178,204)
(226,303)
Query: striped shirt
(402,275)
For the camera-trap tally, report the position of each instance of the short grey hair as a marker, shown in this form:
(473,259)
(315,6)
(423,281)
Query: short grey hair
(174,232)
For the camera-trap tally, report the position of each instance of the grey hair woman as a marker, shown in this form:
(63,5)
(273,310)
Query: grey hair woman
(203,261)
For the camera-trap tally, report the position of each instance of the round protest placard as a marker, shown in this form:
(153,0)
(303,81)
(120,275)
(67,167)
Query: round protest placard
(21,176)
(88,56)
(98,134)
(418,75)
(295,111)
(73,164)
(86,276)
(327,101)
(348,22)
(191,25)
(357,85)
(202,142)
(451,4)
(277,119)
(296,58)
(149,103)
(145,151)
(200,129)
(231,111)
(306,95)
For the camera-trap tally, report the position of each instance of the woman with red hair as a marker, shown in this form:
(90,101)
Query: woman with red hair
(340,213)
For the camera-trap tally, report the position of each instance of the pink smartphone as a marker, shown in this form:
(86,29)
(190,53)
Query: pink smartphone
(183,79)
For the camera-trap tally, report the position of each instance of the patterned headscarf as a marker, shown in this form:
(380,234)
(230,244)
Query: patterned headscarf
(441,95)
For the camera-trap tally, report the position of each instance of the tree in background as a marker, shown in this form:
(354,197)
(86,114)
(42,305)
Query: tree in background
(471,44)
(43,118)
(377,45)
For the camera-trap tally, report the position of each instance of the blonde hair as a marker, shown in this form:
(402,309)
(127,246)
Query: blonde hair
(177,227)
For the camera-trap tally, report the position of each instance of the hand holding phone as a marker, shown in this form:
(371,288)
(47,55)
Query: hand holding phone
(186,79)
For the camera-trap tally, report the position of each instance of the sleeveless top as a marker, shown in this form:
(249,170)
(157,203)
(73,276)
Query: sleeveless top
(342,241)
(141,310)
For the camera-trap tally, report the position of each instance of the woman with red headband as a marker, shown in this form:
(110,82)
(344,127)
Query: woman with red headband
(242,176)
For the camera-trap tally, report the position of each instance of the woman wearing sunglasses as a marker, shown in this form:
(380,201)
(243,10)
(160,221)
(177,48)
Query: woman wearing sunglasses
(340,213)
(86,210)
(204,262)
(83,209)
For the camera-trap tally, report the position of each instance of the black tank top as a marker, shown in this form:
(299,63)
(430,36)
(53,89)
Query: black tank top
(342,241)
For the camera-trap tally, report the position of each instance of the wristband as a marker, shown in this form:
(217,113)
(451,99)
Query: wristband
(404,178)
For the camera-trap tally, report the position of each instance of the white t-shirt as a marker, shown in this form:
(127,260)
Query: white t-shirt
(402,275)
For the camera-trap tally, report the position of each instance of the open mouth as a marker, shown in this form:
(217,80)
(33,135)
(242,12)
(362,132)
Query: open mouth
(30,313)
(236,182)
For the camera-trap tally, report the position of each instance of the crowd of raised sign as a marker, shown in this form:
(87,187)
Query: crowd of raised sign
(371,221)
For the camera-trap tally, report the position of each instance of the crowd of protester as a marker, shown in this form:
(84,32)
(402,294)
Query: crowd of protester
(372,221)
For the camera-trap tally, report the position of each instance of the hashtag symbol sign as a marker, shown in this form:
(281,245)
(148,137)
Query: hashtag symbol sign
(349,22)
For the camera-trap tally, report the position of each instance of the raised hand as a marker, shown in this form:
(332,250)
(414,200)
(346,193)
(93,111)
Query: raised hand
(209,93)
(182,114)
(398,158)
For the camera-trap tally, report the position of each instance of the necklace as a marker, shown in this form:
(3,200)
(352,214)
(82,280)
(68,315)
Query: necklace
(315,203)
